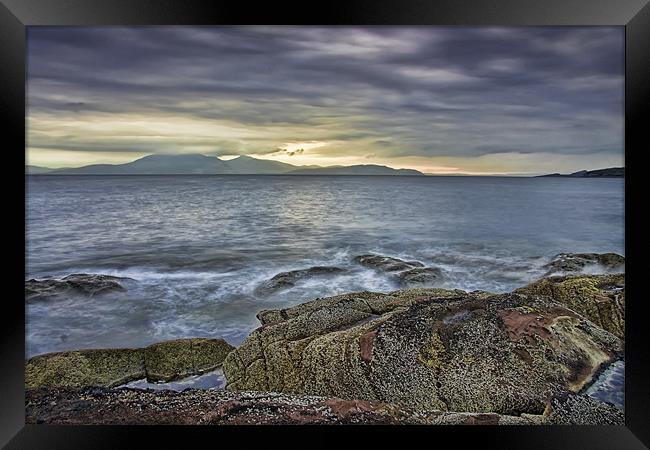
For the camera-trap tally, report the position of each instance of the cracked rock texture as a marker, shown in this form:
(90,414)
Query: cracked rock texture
(426,349)
(600,298)
(164,361)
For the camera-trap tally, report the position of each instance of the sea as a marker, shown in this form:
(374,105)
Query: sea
(197,247)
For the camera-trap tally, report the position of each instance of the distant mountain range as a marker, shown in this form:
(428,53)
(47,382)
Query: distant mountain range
(600,173)
(211,165)
(37,169)
(364,169)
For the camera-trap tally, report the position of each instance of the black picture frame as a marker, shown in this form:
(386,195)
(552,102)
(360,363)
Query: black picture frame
(16,15)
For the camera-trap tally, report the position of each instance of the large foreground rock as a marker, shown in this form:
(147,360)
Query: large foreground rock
(102,406)
(76,284)
(428,349)
(600,298)
(164,361)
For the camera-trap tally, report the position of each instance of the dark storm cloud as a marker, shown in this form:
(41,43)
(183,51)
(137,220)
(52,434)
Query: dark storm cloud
(407,91)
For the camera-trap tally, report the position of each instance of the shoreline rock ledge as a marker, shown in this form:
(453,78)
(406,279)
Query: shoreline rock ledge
(163,361)
(430,349)
(101,406)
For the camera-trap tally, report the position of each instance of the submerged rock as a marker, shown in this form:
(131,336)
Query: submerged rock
(418,276)
(386,263)
(99,406)
(75,284)
(599,298)
(404,273)
(426,349)
(576,262)
(163,361)
(285,280)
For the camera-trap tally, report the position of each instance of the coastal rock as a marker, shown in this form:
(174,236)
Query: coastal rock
(405,273)
(576,262)
(179,358)
(76,284)
(386,263)
(285,280)
(101,406)
(425,348)
(419,276)
(100,367)
(572,409)
(163,361)
(599,298)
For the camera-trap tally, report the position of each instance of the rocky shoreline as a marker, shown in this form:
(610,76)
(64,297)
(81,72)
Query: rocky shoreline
(411,356)
(100,406)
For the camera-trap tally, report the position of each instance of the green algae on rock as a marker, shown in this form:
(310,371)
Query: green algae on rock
(164,361)
(100,367)
(426,348)
(170,360)
(599,298)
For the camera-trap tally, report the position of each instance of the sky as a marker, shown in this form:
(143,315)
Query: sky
(444,100)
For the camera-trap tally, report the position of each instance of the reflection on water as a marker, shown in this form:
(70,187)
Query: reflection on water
(208,380)
(610,385)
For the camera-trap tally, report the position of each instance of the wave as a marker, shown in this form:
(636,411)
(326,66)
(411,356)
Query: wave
(165,304)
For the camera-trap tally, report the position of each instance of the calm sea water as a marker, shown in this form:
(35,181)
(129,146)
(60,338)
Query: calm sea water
(197,246)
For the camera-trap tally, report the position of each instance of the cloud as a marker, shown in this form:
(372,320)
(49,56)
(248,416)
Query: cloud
(393,92)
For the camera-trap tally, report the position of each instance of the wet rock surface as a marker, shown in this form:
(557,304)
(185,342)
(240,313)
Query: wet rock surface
(418,276)
(200,407)
(164,361)
(576,262)
(599,298)
(76,284)
(404,273)
(386,263)
(426,349)
(285,280)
